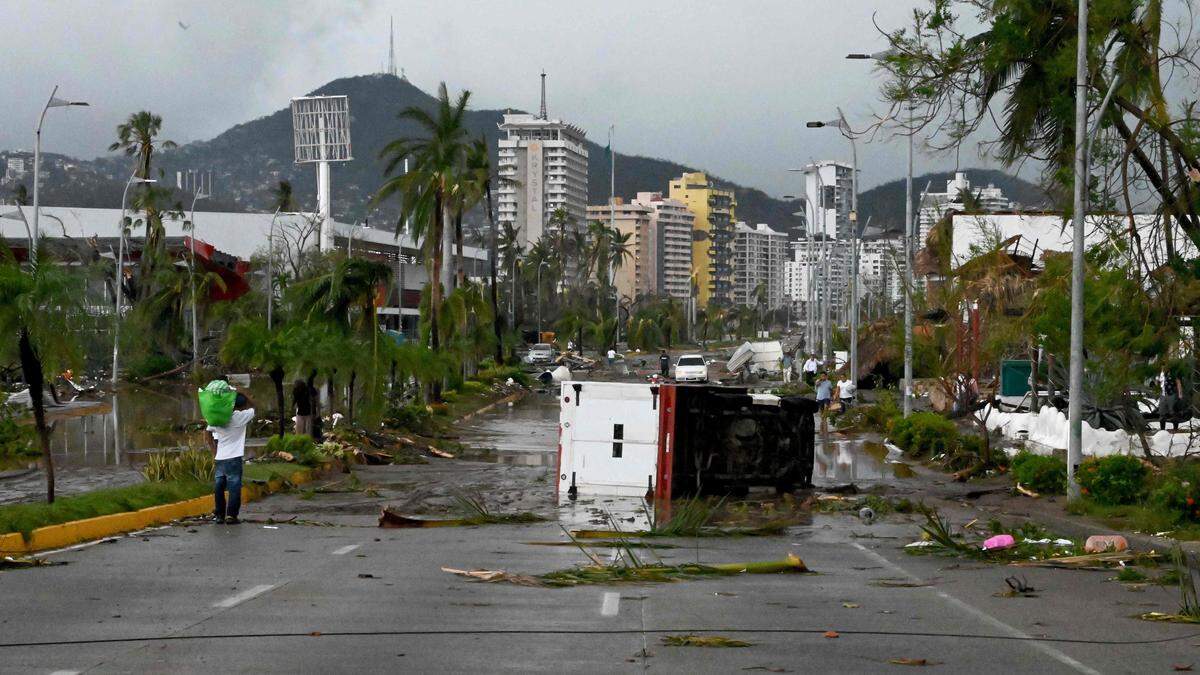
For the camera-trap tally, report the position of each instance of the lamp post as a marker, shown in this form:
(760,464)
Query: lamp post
(543,264)
(844,127)
(908,233)
(37,163)
(119,279)
(192,281)
(1075,400)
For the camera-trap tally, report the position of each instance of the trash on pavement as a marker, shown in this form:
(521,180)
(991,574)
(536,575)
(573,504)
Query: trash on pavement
(1000,541)
(391,519)
(703,641)
(1026,491)
(831,634)
(909,662)
(866,514)
(1102,543)
(924,543)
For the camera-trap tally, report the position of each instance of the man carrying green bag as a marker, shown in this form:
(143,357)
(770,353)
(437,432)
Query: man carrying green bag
(216,403)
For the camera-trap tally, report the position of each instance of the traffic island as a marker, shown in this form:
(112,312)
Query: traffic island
(74,531)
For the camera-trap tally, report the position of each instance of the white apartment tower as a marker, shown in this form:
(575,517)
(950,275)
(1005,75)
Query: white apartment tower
(759,254)
(670,228)
(935,205)
(543,166)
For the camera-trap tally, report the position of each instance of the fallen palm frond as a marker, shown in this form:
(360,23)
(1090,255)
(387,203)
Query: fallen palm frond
(770,529)
(9,562)
(596,573)
(1090,561)
(703,641)
(479,514)
(1169,618)
(1029,544)
(603,543)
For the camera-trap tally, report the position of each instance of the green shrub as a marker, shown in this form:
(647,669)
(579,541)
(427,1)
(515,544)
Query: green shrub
(873,417)
(1117,479)
(301,447)
(1178,491)
(190,465)
(1047,475)
(502,374)
(16,440)
(409,417)
(473,387)
(924,433)
(450,396)
(149,364)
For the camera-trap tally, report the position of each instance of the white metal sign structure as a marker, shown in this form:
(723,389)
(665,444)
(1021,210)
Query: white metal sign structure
(320,135)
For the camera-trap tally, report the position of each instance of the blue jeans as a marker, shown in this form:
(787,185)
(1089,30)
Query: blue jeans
(228,475)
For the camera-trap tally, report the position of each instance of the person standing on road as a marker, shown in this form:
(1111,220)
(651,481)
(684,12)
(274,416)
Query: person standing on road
(824,389)
(302,406)
(664,364)
(611,355)
(786,365)
(229,445)
(810,369)
(1168,400)
(847,390)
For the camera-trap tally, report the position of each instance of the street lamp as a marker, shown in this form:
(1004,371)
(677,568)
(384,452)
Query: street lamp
(544,263)
(1075,378)
(908,234)
(53,102)
(844,127)
(119,279)
(192,280)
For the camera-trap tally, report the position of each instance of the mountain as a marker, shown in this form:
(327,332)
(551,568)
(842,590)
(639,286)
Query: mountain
(884,204)
(249,159)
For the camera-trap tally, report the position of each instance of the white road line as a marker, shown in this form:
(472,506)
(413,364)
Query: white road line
(985,617)
(65,672)
(345,549)
(611,604)
(245,595)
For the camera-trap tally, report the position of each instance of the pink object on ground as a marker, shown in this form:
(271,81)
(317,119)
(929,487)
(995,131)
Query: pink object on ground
(1099,543)
(998,542)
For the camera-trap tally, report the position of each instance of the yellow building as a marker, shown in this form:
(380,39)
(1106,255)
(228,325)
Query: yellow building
(712,240)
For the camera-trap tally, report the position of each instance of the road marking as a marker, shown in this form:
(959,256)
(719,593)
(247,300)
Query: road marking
(985,617)
(345,549)
(611,604)
(65,672)
(245,595)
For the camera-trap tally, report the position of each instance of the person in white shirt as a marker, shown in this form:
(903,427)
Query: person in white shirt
(847,390)
(229,445)
(810,369)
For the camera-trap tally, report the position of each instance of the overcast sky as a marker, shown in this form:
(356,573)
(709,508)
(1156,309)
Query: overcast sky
(726,86)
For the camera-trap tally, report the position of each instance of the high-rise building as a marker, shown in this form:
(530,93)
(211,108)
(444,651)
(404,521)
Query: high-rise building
(635,276)
(671,255)
(881,275)
(958,198)
(712,246)
(16,168)
(543,166)
(758,257)
(808,268)
(828,190)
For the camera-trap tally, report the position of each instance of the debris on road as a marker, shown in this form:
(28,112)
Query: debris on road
(703,641)
(831,634)
(910,662)
(634,572)
(1100,543)
(998,542)
(9,562)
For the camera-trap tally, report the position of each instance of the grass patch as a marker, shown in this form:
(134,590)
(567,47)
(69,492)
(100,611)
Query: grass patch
(266,471)
(699,516)
(25,518)
(1130,575)
(1144,517)
(479,514)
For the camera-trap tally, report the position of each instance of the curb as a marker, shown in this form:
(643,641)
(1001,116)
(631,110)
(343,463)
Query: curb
(88,529)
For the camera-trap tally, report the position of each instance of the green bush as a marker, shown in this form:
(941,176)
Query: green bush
(16,440)
(149,364)
(301,447)
(1117,479)
(874,417)
(1178,491)
(1047,475)
(502,374)
(924,433)
(189,465)
(409,417)
(473,387)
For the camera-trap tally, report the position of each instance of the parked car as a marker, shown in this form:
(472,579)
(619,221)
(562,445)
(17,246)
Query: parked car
(691,368)
(540,353)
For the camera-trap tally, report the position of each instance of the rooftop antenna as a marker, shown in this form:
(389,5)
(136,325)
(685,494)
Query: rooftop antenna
(542,113)
(391,46)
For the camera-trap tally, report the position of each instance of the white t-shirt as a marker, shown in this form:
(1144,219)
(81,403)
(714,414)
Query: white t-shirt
(847,389)
(810,366)
(612,354)
(231,438)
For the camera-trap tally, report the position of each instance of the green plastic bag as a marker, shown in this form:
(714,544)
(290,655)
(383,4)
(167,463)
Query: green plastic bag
(216,403)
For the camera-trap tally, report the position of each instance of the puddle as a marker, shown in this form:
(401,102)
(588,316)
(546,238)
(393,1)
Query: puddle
(840,461)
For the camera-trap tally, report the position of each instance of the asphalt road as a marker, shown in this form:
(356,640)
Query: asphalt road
(332,592)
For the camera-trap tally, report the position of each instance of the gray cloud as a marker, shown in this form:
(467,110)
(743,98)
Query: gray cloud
(722,85)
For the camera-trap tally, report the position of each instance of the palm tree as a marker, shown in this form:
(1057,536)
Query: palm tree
(138,138)
(479,173)
(39,306)
(21,195)
(511,252)
(344,295)
(426,189)
(251,344)
(282,197)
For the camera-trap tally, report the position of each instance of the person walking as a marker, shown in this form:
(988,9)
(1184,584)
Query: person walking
(302,406)
(664,364)
(229,445)
(786,364)
(1168,400)
(824,388)
(847,390)
(810,370)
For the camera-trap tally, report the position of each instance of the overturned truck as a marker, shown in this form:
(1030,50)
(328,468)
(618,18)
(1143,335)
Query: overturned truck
(665,441)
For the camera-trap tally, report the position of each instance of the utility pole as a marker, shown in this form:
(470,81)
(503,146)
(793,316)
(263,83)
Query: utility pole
(908,273)
(1075,395)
